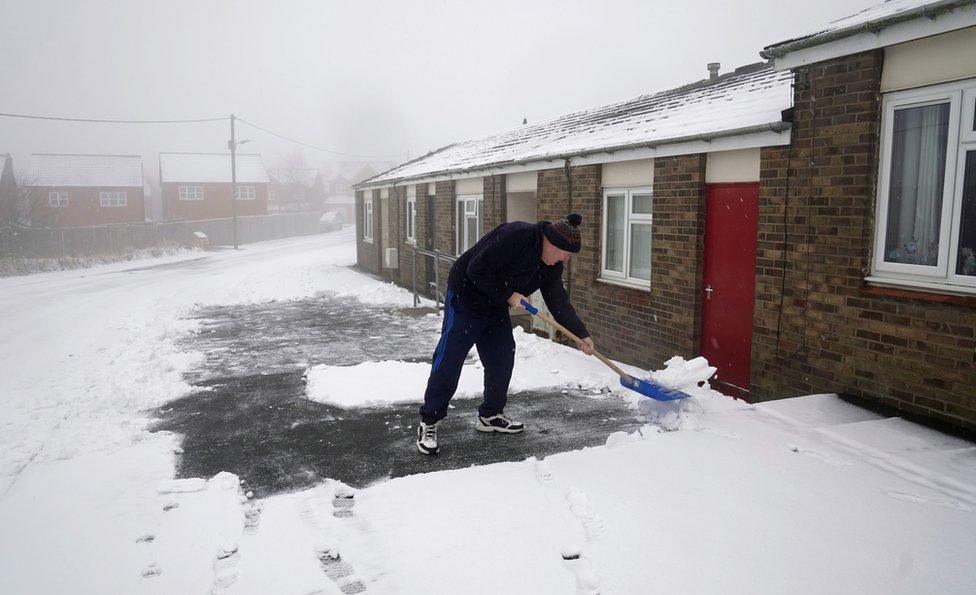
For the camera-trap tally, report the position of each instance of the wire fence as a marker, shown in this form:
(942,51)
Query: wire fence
(60,242)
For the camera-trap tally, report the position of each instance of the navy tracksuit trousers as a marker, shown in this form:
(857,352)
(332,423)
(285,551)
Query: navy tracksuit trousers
(492,335)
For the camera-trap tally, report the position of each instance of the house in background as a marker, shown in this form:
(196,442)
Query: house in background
(807,224)
(77,190)
(296,191)
(9,209)
(340,195)
(198,186)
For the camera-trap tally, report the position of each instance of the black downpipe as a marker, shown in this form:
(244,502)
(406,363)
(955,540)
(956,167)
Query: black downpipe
(569,195)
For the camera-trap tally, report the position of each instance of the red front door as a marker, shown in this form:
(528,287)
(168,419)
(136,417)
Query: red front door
(729,282)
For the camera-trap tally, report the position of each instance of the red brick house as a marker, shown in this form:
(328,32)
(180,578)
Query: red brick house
(198,186)
(78,190)
(807,224)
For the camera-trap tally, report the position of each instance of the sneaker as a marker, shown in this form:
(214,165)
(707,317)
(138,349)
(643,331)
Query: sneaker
(498,423)
(427,438)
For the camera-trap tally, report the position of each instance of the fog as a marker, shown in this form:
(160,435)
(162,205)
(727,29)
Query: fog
(389,80)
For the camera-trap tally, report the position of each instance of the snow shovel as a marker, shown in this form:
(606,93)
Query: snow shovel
(644,387)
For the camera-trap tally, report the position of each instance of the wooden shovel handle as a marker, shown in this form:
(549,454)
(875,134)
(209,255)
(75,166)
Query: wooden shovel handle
(549,319)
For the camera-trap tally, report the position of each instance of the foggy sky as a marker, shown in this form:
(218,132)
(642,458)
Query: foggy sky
(372,78)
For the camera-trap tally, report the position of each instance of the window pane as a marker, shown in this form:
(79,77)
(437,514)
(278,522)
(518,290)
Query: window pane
(640,251)
(642,204)
(472,223)
(616,219)
(918,161)
(966,264)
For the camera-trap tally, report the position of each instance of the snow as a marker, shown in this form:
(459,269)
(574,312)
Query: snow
(712,495)
(872,14)
(731,103)
(211,168)
(122,171)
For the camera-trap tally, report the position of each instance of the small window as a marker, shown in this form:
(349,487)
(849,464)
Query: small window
(57,199)
(368,219)
(925,232)
(191,192)
(113,199)
(626,234)
(469,208)
(412,218)
(245,193)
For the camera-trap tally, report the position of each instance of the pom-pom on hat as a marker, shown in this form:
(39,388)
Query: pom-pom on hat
(565,233)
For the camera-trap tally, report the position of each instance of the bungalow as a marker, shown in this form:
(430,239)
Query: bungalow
(76,190)
(198,186)
(639,171)
(805,223)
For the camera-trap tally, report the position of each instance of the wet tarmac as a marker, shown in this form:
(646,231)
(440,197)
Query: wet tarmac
(251,417)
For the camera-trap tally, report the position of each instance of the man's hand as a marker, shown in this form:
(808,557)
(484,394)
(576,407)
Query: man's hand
(586,346)
(515,300)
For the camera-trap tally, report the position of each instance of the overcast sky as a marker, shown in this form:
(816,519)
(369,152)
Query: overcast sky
(369,78)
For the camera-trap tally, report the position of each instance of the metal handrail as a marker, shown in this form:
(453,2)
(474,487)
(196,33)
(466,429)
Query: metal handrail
(437,255)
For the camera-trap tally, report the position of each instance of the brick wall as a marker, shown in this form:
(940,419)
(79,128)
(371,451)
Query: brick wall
(85,207)
(817,327)
(367,253)
(495,205)
(445,239)
(216,201)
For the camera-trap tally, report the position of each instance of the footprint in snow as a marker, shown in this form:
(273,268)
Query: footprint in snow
(151,570)
(587,581)
(225,567)
(819,456)
(340,572)
(343,502)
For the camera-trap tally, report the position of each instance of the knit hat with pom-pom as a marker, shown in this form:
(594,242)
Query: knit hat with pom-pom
(565,233)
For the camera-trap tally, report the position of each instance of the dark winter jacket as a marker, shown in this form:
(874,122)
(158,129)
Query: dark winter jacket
(506,260)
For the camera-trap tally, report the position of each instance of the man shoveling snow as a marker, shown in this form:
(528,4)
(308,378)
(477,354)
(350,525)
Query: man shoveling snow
(509,263)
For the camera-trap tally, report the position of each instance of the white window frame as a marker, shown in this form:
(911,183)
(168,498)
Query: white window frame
(191,192)
(57,198)
(368,220)
(631,219)
(961,97)
(245,193)
(113,198)
(473,205)
(412,216)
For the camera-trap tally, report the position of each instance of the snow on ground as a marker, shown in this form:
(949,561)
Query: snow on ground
(806,495)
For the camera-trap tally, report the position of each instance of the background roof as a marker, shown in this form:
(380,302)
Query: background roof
(211,167)
(86,170)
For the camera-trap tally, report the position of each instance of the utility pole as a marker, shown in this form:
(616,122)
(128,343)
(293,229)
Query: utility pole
(232,144)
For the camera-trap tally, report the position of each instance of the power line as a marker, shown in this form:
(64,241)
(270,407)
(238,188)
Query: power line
(298,142)
(107,121)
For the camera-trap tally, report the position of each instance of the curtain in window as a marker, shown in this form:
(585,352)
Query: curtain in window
(917,182)
(966,262)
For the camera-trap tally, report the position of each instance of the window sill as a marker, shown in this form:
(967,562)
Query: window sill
(927,292)
(410,241)
(625,284)
(367,240)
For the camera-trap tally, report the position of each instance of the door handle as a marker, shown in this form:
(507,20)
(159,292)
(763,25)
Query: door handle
(708,292)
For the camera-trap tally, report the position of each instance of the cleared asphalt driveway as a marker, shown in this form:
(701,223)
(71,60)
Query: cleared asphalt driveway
(251,416)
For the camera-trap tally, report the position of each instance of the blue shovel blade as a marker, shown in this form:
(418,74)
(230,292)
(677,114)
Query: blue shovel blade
(652,389)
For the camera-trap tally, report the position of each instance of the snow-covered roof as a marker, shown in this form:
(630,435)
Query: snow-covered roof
(86,170)
(746,100)
(211,168)
(871,19)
